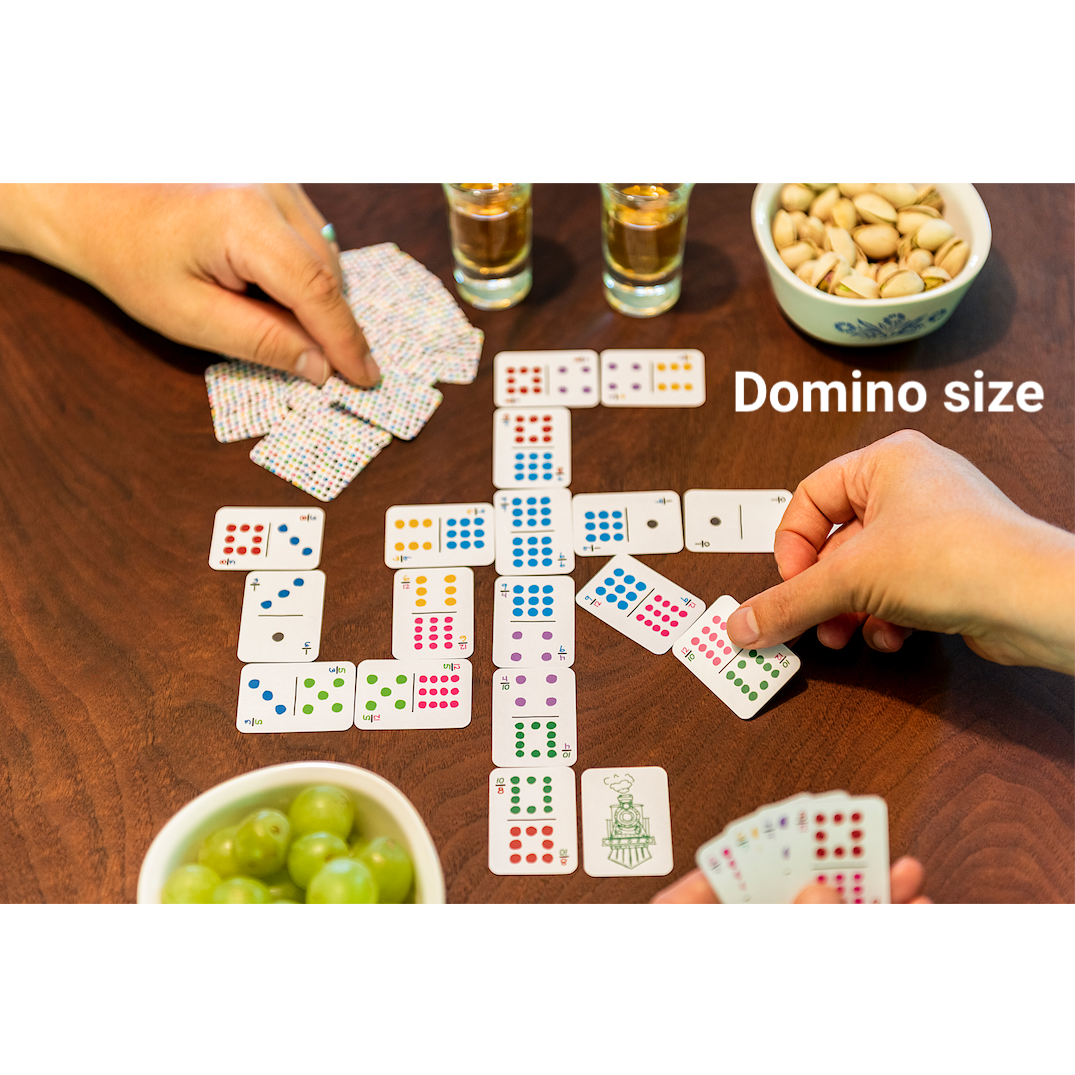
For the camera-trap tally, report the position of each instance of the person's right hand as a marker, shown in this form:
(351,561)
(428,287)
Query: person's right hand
(927,542)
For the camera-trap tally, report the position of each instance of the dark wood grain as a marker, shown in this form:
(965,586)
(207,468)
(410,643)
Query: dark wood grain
(118,674)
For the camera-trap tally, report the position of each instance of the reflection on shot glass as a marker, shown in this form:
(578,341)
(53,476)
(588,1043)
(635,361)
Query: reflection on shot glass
(643,227)
(490,229)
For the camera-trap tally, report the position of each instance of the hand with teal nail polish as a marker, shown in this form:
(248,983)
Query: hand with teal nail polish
(925,542)
(180,259)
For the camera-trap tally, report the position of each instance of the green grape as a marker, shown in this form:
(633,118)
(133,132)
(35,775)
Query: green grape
(310,852)
(218,852)
(358,845)
(261,843)
(241,890)
(343,880)
(322,809)
(190,884)
(391,868)
(281,887)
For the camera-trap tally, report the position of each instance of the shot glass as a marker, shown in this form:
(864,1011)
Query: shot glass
(490,229)
(643,228)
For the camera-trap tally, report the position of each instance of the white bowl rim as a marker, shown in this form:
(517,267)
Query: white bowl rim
(220,795)
(980,246)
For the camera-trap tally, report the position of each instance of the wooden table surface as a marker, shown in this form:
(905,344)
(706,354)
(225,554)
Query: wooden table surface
(118,674)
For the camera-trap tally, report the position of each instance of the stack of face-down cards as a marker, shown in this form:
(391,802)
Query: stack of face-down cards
(319,438)
(838,840)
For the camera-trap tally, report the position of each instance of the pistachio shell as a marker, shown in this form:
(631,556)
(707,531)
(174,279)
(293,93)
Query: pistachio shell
(929,195)
(867,270)
(856,286)
(861,264)
(823,203)
(934,276)
(795,254)
(906,245)
(904,282)
(839,240)
(822,267)
(796,196)
(850,190)
(835,275)
(844,214)
(817,188)
(909,220)
(877,240)
(874,209)
(954,258)
(813,229)
(933,233)
(798,217)
(784,233)
(917,260)
(897,195)
(885,270)
(805,271)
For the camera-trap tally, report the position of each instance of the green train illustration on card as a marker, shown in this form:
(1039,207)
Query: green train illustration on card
(629,839)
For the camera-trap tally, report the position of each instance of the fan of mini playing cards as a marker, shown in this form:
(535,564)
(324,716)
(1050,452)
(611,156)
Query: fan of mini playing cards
(320,438)
(835,839)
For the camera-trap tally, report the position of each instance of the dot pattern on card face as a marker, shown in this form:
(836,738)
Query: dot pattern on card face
(532,602)
(532,436)
(847,885)
(538,800)
(434,632)
(565,370)
(605,525)
(838,838)
(419,533)
(432,691)
(674,376)
(729,861)
(283,594)
(752,674)
(713,643)
(542,742)
(546,636)
(531,550)
(661,614)
(621,588)
(523,381)
(267,695)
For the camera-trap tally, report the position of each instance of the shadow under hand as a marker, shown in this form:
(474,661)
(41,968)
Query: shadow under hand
(709,277)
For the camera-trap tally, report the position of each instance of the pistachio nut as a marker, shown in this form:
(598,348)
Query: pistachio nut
(835,275)
(805,271)
(823,203)
(917,260)
(899,284)
(813,229)
(856,286)
(933,233)
(929,195)
(885,270)
(954,258)
(874,209)
(839,240)
(898,195)
(796,196)
(870,270)
(798,217)
(934,276)
(850,190)
(906,245)
(911,219)
(844,214)
(877,241)
(784,233)
(795,254)
(822,267)
(817,188)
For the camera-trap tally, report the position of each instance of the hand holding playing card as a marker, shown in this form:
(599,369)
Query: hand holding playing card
(179,259)
(927,542)
(906,878)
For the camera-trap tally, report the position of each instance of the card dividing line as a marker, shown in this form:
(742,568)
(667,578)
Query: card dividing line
(740,522)
(279,615)
(295,700)
(631,611)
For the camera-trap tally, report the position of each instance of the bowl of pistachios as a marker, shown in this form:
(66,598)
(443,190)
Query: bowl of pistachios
(865,264)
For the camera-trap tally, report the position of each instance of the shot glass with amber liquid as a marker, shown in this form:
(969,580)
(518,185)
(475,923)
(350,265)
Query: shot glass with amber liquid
(490,229)
(643,228)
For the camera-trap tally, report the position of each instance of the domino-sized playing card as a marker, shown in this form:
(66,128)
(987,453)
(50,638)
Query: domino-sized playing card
(847,846)
(640,603)
(626,822)
(413,694)
(318,697)
(533,532)
(608,523)
(439,535)
(743,679)
(433,614)
(534,717)
(719,862)
(246,400)
(400,404)
(733,520)
(668,378)
(281,618)
(531,447)
(533,826)
(566,378)
(534,622)
(276,539)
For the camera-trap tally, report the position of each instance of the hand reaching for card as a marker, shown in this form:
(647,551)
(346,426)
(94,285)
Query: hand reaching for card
(179,259)
(927,542)
(906,878)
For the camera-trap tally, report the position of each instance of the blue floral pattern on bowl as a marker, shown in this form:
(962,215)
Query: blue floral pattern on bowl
(891,327)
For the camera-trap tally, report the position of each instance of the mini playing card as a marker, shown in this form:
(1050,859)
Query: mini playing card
(397,403)
(626,822)
(534,622)
(533,532)
(640,603)
(743,679)
(435,535)
(531,447)
(246,400)
(670,378)
(847,846)
(281,619)
(433,614)
(533,826)
(318,697)
(413,694)
(608,523)
(279,539)
(566,378)
(534,717)
(733,520)
(719,860)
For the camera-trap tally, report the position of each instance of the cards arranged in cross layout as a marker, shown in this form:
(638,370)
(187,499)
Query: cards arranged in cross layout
(534,717)
(534,622)
(626,822)
(317,697)
(435,535)
(608,523)
(834,839)
(414,694)
(281,617)
(531,447)
(281,539)
(668,378)
(743,679)
(640,603)
(567,378)
(733,520)
(533,824)
(533,532)
(433,614)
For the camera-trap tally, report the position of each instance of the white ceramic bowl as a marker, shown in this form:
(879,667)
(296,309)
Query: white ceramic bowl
(383,809)
(871,322)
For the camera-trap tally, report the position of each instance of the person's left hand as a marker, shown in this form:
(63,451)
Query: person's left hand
(906,879)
